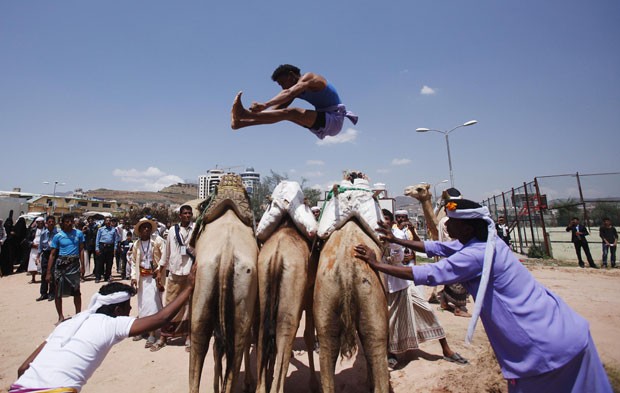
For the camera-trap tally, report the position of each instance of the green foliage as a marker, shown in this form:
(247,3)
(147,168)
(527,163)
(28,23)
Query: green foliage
(566,209)
(601,210)
(537,252)
(159,213)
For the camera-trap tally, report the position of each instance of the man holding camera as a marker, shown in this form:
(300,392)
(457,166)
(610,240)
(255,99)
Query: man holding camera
(578,237)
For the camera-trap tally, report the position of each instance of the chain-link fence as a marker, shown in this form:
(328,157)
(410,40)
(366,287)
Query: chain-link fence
(538,212)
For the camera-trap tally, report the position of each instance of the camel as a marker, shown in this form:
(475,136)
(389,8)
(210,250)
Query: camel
(285,281)
(225,292)
(422,193)
(349,296)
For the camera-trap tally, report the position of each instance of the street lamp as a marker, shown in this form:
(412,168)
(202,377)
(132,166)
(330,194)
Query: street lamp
(435,189)
(56,183)
(446,133)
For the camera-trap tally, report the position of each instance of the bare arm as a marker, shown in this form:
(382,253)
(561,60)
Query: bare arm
(308,81)
(50,263)
(22,369)
(367,255)
(153,322)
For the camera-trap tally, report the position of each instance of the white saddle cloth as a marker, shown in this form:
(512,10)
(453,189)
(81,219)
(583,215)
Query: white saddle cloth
(353,200)
(287,198)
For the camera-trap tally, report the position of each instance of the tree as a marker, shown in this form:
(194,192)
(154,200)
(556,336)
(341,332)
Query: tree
(602,210)
(262,192)
(566,209)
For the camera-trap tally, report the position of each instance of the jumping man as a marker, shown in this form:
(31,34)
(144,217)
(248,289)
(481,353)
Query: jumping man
(325,120)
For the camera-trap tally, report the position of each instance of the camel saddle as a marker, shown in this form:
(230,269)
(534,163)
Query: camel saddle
(353,200)
(229,194)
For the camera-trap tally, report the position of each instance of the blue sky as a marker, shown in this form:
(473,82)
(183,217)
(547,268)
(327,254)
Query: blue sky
(136,95)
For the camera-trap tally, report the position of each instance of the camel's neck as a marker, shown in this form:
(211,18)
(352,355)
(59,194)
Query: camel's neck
(431,220)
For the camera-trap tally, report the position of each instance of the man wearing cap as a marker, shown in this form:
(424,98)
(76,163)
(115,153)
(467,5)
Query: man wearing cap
(402,223)
(67,260)
(77,347)
(105,244)
(178,259)
(146,254)
(541,344)
(316,211)
(46,290)
(452,297)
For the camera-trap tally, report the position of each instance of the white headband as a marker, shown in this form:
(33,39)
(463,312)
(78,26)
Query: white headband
(481,213)
(96,302)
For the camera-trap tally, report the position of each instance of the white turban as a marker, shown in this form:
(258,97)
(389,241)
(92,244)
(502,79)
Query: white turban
(481,213)
(96,302)
(401,213)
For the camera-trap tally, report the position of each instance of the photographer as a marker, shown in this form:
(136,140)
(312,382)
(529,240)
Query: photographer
(578,237)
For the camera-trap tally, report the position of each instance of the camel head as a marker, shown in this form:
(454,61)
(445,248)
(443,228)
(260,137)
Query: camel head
(419,191)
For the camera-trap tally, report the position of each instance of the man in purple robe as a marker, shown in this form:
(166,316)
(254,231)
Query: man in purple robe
(541,344)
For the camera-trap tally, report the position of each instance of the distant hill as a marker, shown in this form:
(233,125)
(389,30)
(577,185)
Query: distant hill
(175,194)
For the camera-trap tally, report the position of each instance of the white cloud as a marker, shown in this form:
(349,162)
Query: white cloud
(401,161)
(344,137)
(315,162)
(427,91)
(313,174)
(151,179)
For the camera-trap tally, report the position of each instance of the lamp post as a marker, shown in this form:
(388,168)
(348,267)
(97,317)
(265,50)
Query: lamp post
(446,134)
(56,183)
(435,189)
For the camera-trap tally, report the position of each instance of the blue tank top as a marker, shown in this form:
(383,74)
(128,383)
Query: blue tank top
(322,99)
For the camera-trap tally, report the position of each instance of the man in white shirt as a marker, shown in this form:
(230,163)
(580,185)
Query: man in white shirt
(411,318)
(178,260)
(76,348)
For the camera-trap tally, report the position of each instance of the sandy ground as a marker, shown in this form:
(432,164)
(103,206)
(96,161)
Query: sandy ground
(129,367)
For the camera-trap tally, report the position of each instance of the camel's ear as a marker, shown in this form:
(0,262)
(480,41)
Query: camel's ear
(427,186)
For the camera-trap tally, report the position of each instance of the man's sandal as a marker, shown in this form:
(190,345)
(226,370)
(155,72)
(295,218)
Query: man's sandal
(456,358)
(157,346)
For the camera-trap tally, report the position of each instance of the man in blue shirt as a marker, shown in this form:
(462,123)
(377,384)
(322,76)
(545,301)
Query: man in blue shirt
(45,248)
(105,245)
(68,258)
(326,119)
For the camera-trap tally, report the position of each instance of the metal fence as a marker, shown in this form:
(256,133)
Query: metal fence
(538,212)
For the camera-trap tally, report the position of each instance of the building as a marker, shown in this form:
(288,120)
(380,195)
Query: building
(208,182)
(250,179)
(59,205)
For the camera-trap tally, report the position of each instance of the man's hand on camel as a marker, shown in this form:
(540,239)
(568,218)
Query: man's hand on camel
(385,232)
(257,107)
(367,255)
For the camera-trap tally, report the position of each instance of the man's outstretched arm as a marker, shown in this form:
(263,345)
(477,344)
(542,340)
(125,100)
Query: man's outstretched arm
(285,97)
(155,321)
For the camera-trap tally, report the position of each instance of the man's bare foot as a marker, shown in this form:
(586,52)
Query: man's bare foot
(61,319)
(236,112)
